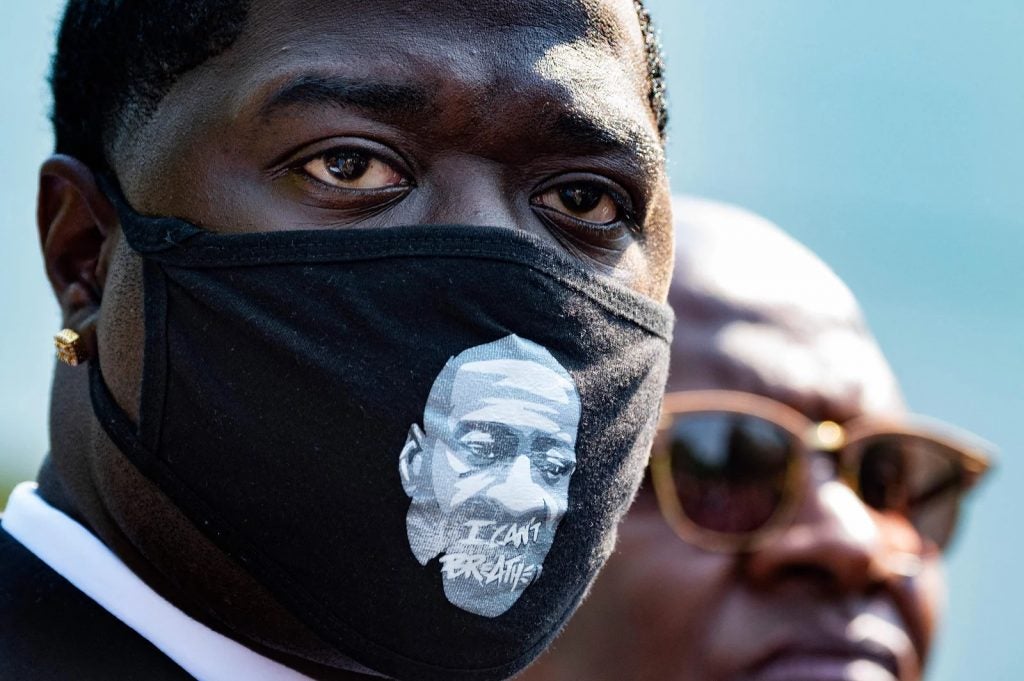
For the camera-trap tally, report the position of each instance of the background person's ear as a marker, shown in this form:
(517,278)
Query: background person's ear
(410,461)
(75,221)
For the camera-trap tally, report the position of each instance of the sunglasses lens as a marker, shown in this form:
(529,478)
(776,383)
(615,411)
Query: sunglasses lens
(916,477)
(730,471)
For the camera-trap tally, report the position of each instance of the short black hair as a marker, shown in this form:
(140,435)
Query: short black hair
(655,68)
(116,60)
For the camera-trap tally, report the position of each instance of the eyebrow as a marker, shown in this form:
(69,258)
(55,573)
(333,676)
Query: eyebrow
(395,100)
(624,139)
(380,97)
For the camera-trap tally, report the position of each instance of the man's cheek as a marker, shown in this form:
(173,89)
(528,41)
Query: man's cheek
(446,469)
(458,465)
(474,484)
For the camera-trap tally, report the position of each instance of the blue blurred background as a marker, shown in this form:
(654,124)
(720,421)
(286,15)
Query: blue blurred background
(887,136)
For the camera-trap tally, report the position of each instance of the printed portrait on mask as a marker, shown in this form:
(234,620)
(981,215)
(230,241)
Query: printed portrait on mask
(488,474)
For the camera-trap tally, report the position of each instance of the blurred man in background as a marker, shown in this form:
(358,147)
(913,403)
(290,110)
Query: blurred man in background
(793,524)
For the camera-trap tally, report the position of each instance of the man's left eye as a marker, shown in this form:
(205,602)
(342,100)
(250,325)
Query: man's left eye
(554,465)
(353,169)
(586,201)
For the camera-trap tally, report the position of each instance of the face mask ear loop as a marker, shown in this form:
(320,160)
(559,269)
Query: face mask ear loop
(146,235)
(115,422)
(111,188)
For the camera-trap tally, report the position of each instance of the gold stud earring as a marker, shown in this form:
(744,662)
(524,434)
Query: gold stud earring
(70,347)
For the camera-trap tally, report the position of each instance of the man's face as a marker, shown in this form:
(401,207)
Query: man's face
(500,462)
(817,603)
(517,452)
(327,114)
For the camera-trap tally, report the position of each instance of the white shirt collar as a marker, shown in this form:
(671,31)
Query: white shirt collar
(82,559)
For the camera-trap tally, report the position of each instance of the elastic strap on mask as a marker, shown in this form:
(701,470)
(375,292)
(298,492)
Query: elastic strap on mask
(116,423)
(145,234)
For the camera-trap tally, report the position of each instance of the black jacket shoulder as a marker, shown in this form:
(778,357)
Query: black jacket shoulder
(50,631)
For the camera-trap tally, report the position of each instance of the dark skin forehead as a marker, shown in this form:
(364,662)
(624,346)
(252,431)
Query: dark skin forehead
(481,103)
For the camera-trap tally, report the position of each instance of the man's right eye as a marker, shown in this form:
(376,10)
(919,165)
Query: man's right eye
(481,444)
(353,169)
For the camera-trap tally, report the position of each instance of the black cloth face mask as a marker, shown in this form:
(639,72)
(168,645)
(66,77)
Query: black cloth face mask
(419,439)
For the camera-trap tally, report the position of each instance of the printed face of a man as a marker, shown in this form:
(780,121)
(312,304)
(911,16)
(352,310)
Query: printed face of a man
(500,462)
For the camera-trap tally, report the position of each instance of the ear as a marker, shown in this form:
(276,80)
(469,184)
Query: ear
(410,461)
(75,221)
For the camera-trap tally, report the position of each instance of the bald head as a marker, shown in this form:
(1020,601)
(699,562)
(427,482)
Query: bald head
(758,312)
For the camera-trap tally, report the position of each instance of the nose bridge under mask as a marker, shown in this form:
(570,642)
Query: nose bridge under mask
(289,384)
